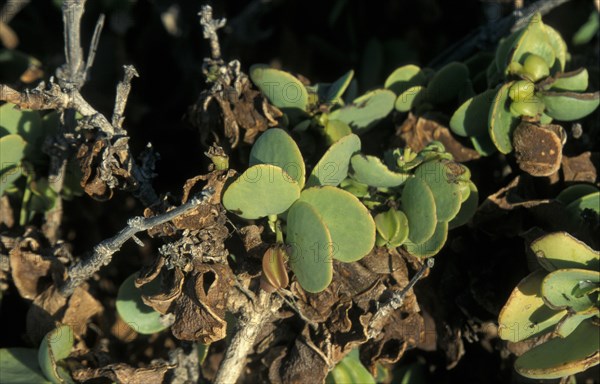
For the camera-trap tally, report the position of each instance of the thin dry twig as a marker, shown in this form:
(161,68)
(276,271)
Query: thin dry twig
(395,302)
(210,27)
(123,89)
(103,252)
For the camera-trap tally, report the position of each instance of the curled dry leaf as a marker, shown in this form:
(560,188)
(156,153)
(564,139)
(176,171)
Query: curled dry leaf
(200,309)
(123,373)
(417,132)
(237,106)
(31,271)
(105,166)
(581,168)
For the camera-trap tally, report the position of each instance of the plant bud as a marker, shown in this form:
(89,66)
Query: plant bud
(274,275)
(521,90)
(535,68)
(531,107)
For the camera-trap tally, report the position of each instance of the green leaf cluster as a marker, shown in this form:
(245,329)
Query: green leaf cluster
(530,67)
(315,211)
(560,298)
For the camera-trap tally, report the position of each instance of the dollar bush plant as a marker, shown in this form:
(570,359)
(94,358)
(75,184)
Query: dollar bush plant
(560,300)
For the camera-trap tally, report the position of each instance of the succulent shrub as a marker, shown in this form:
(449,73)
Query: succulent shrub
(533,90)
(22,135)
(419,196)
(560,300)
(44,365)
(322,222)
(323,106)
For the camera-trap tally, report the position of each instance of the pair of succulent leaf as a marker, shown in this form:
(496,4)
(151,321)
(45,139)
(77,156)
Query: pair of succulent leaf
(561,298)
(323,222)
(434,193)
(530,65)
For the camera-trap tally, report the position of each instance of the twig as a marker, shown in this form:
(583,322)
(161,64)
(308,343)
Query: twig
(210,27)
(123,89)
(395,302)
(72,74)
(103,252)
(248,328)
(94,45)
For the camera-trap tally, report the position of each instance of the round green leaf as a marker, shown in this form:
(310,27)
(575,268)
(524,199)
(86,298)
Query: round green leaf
(559,45)
(588,30)
(533,39)
(364,112)
(409,98)
(391,224)
(20,366)
(337,208)
(447,83)
(140,317)
(419,206)
(501,122)
(56,345)
(8,176)
(12,151)
(23,122)
(281,88)
(471,118)
(576,81)
(445,187)
(467,209)
(333,166)
(570,322)
(370,170)
(483,144)
(574,192)
(561,357)
(277,148)
(311,247)
(404,78)
(335,130)
(338,87)
(525,314)
(261,191)
(431,246)
(559,289)
(350,370)
(591,201)
(561,250)
(569,106)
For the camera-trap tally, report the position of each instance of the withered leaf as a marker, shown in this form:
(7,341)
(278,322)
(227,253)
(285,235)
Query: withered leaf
(538,148)
(123,373)
(29,270)
(416,132)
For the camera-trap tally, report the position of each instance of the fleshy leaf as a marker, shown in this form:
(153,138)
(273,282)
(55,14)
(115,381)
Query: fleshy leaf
(431,246)
(561,357)
(311,247)
(569,106)
(338,87)
(571,321)
(561,250)
(370,170)
(335,130)
(501,122)
(350,370)
(447,83)
(140,317)
(409,98)
(404,78)
(8,176)
(419,206)
(332,169)
(559,45)
(282,89)
(364,112)
(55,346)
(471,118)
(525,314)
(261,191)
(467,209)
(559,289)
(483,144)
(20,366)
(277,148)
(445,188)
(337,208)
(574,192)
(533,40)
(576,81)
(12,151)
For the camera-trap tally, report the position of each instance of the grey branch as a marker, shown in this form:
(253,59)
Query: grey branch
(72,74)
(385,310)
(243,340)
(103,252)
(123,89)
(210,27)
